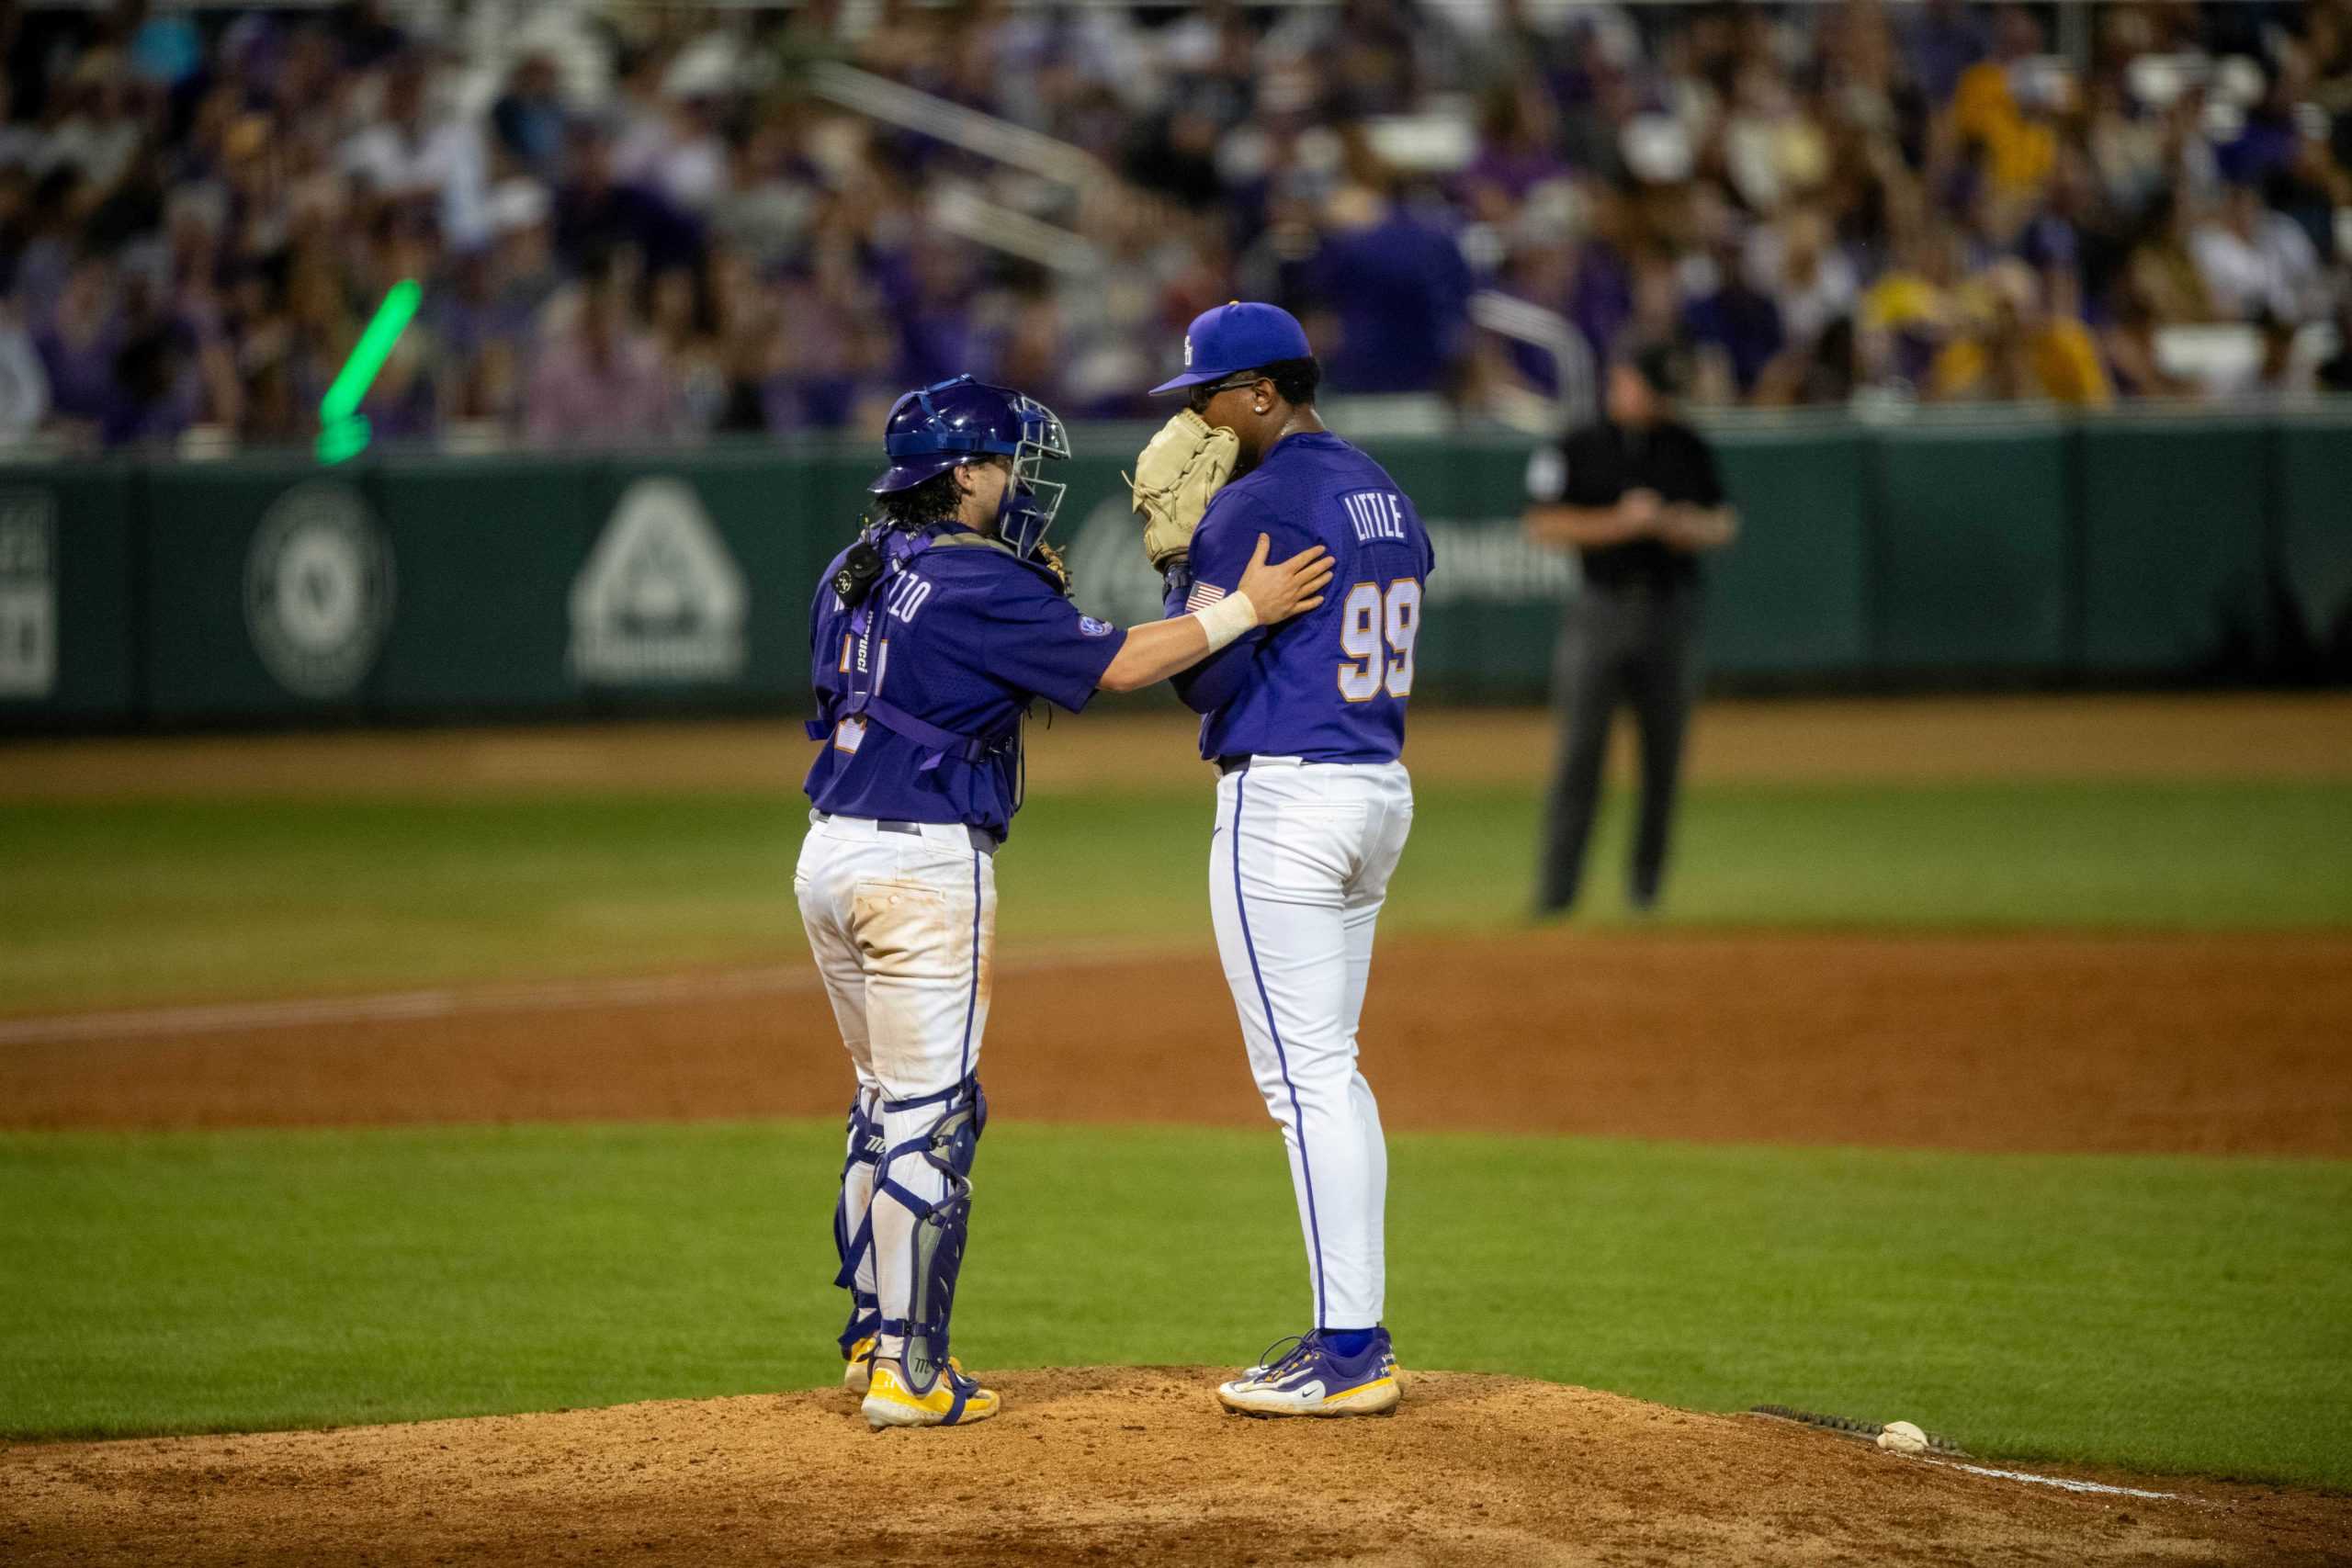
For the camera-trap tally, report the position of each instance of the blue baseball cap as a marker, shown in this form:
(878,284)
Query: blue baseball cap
(1237,337)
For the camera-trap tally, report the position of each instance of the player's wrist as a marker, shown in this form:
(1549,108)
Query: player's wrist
(1227,620)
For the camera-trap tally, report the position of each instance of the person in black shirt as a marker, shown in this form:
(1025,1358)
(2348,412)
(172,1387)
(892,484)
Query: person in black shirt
(1636,496)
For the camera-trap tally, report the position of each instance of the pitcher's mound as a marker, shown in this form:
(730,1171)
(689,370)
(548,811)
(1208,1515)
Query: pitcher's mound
(1116,1465)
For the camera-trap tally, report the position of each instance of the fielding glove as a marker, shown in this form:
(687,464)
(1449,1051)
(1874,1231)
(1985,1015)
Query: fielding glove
(1176,474)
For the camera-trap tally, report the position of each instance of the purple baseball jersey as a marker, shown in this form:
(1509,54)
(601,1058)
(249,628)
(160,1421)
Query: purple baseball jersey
(961,640)
(1331,685)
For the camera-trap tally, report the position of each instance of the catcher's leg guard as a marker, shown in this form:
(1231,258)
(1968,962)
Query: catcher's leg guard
(945,1150)
(854,1217)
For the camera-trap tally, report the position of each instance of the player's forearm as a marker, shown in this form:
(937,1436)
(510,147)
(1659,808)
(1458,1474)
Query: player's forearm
(1158,649)
(1586,527)
(1154,652)
(1694,530)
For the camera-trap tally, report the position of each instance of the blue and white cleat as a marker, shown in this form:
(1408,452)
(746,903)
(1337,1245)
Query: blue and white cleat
(1308,1377)
(954,1400)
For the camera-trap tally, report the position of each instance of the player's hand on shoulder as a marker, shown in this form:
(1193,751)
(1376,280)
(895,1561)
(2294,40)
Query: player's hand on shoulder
(1279,590)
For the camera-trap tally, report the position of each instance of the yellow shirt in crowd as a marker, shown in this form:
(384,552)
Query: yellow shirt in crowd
(2066,362)
(2019,151)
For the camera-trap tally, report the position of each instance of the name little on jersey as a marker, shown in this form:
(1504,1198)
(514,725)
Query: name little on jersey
(1377,514)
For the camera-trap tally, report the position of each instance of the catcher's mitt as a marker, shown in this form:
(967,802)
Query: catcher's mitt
(1176,474)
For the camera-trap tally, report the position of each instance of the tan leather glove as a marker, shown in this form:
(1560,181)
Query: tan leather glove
(1176,474)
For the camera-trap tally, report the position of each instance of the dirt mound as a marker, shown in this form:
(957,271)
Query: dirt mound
(1115,1465)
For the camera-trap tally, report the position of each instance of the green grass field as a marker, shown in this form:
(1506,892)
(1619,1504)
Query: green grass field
(111,904)
(2159,1313)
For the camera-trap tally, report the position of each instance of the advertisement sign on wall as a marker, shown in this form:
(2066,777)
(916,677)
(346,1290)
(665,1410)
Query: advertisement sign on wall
(28,594)
(661,600)
(319,589)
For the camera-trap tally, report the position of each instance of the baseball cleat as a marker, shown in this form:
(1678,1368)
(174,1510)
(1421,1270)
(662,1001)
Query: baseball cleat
(859,1374)
(1260,1369)
(953,1401)
(1311,1379)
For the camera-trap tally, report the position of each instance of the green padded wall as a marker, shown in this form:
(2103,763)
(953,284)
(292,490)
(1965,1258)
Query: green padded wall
(487,549)
(271,590)
(2316,525)
(2173,543)
(1972,555)
(1792,594)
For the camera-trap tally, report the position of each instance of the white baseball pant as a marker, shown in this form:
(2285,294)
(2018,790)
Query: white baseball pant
(1298,867)
(902,927)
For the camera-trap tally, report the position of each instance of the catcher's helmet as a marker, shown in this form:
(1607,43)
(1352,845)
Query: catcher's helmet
(961,421)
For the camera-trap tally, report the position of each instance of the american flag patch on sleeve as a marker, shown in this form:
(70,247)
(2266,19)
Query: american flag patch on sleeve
(1204,595)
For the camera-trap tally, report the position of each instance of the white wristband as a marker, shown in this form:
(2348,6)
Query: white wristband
(1226,619)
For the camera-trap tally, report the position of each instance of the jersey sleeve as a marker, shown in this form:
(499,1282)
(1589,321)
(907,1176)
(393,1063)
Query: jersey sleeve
(1222,546)
(1036,640)
(821,655)
(1226,539)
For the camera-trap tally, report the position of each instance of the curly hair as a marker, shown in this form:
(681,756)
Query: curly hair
(933,501)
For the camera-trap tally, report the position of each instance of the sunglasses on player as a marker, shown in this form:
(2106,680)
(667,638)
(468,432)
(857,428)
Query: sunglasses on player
(1198,401)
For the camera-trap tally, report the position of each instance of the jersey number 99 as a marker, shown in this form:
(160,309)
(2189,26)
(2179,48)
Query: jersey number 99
(1377,632)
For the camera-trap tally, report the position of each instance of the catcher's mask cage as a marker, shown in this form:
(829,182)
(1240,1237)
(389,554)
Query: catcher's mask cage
(962,420)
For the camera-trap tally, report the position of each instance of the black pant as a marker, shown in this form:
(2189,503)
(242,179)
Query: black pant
(1638,644)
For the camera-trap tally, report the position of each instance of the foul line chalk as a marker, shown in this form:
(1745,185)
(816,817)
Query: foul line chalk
(1868,1431)
(659,990)
(2058,1480)
(394,1006)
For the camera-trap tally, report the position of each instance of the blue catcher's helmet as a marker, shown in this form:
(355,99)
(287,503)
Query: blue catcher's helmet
(957,421)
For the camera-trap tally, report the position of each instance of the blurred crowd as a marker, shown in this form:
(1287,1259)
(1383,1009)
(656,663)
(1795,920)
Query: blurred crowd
(658,224)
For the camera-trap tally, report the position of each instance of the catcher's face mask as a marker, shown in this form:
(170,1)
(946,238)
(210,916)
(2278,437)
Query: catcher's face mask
(1031,500)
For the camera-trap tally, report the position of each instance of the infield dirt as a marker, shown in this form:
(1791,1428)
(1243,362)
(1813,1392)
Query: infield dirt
(1124,1465)
(2206,1044)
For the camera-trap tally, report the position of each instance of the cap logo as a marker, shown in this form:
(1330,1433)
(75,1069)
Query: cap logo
(1188,351)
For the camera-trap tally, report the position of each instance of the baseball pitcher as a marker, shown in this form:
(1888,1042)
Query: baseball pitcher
(930,637)
(1304,722)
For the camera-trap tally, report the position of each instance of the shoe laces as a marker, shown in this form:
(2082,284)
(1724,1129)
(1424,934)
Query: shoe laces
(1286,1355)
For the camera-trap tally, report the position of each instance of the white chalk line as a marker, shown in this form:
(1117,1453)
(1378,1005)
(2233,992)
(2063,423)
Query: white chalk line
(391,1007)
(394,1006)
(2062,1483)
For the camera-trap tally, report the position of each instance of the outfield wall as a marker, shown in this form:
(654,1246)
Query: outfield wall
(1938,550)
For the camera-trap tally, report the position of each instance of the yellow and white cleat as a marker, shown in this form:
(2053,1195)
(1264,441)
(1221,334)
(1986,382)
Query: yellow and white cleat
(859,1374)
(953,1401)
